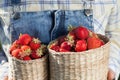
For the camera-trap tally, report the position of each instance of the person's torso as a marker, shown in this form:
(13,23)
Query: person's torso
(49,19)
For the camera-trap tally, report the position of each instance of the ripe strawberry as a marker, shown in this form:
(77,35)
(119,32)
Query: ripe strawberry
(55,48)
(24,39)
(94,42)
(34,55)
(26,58)
(81,45)
(53,43)
(16,42)
(26,50)
(66,45)
(41,50)
(35,44)
(14,46)
(63,50)
(71,37)
(61,39)
(16,53)
(81,32)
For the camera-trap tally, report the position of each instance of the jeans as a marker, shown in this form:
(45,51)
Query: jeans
(45,25)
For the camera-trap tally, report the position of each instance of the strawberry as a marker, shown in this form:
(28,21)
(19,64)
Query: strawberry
(81,45)
(53,43)
(34,55)
(94,42)
(55,48)
(81,32)
(16,53)
(24,39)
(35,44)
(16,42)
(63,50)
(61,39)
(14,46)
(26,58)
(26,50)
(41,50)
(66,45)
(71,37)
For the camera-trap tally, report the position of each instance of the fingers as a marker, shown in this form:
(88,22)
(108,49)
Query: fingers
(111,75)
(6,78)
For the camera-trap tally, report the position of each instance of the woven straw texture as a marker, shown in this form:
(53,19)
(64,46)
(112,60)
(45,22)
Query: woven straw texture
(28,70)
(87,65)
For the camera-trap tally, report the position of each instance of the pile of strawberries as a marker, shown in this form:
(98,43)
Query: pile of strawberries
(78,39)
(27,47)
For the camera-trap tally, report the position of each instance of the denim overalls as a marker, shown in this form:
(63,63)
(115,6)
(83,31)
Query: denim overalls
(46,25)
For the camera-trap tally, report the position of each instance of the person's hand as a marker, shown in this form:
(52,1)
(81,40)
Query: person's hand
(6,78)
(111,75)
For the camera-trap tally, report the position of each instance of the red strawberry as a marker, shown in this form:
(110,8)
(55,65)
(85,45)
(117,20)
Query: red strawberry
(71,37)
(61,39)
(26,50)
(14,46)
(66,45)
(63,50)
(35,44)
(53,43)
(26,58)
(34,55)
(24,39)
(41,50)
(81,32)
(16,42)
(56,48)
(81,45)
(16,53)
(94,42)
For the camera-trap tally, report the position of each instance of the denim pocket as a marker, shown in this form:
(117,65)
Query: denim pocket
(37,24)
(70,17)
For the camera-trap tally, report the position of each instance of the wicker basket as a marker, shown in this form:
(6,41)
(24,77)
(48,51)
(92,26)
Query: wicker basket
(28,70)
(87,65)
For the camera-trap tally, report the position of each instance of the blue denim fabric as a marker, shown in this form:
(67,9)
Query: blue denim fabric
(63,19)
(15,2)
(37,24)
(46,25)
